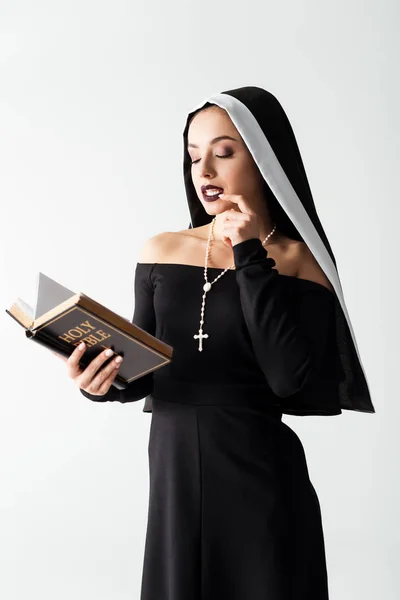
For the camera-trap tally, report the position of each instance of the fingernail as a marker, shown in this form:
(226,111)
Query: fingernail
(81,346)
(118,359)
(109,352)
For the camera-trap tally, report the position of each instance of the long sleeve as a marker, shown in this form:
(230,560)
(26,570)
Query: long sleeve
(288,319)
(143,317)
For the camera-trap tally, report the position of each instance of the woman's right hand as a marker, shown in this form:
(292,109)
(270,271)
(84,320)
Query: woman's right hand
(93,379)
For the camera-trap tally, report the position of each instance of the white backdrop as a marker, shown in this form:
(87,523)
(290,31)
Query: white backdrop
(94,97)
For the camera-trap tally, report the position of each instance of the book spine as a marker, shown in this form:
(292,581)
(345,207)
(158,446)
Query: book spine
(51,344)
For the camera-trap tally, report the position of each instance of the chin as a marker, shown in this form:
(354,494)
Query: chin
(217,207)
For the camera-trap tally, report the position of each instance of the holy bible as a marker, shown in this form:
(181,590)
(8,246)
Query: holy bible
(61,320)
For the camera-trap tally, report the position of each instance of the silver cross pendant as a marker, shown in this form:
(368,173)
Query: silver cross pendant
(200,336)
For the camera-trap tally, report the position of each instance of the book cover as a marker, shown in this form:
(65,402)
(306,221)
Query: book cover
(61,320)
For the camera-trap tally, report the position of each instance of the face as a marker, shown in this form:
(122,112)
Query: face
(224,163)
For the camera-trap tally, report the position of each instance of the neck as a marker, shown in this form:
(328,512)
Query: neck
(266,226)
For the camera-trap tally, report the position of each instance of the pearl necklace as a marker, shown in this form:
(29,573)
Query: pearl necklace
(207,286)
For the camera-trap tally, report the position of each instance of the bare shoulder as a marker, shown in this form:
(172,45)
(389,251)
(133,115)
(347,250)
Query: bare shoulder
(308,267)
(173,246)
(157,247)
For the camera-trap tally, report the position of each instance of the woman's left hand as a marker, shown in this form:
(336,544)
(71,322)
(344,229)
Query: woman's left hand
(239,226)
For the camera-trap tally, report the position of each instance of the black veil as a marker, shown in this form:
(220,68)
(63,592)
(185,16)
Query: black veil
(264,127)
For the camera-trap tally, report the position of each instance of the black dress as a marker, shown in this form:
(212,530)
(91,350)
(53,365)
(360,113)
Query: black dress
(232,511)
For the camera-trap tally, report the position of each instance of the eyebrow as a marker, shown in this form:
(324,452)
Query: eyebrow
(217,139)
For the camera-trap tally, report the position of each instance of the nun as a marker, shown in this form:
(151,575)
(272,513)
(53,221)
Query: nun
(250,299)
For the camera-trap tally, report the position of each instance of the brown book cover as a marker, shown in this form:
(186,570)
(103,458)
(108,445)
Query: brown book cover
(62,319)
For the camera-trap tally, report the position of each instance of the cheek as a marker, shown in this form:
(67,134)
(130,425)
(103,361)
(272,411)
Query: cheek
(233,174)
(242,178)
(195,180)
(252,177)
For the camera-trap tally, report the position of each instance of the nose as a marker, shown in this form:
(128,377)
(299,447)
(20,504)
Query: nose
(206,170)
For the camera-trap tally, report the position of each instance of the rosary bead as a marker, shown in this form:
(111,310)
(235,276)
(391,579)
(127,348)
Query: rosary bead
(207,286)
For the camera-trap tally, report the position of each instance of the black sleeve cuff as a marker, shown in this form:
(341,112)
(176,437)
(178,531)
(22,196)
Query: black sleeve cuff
(251,252)
(135,390)
(111,395)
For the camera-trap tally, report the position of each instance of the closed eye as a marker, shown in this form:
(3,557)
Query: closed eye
(224,156)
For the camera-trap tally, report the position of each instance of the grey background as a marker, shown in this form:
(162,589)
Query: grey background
(92,108)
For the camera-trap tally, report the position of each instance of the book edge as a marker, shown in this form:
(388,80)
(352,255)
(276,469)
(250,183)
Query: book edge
(18,315)
(102,312)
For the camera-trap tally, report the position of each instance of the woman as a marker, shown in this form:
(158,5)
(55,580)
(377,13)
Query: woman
(250,299)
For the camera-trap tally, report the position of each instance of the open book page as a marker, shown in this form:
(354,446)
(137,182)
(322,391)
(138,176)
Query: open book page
(21,312)
(49,294)
(25,308)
